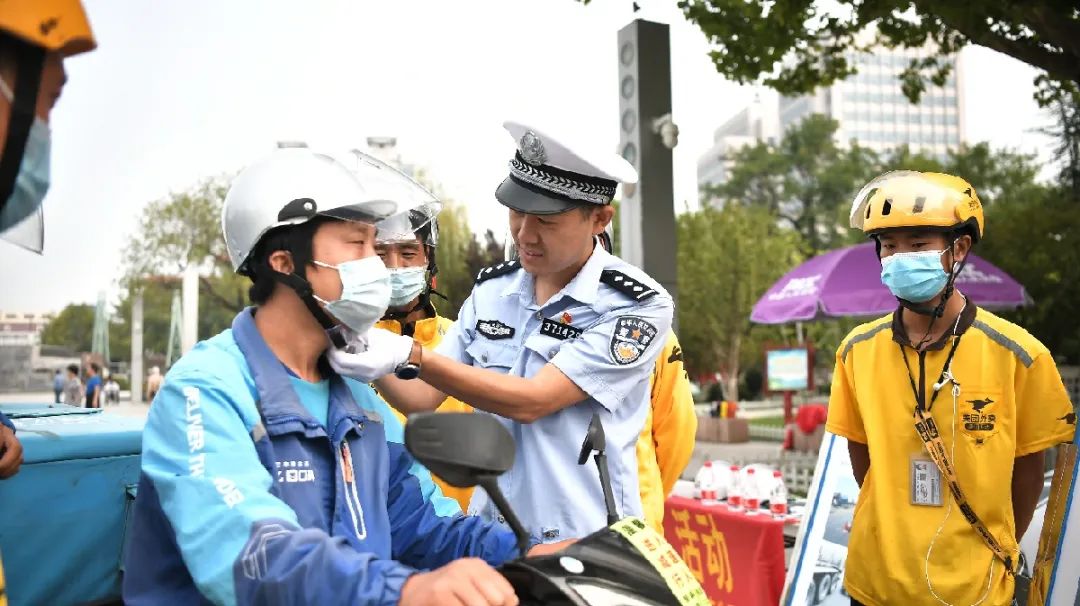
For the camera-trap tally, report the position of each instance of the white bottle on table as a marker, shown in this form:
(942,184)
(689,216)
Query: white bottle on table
(705,483)
(735,489)
(778,497)
(750,497)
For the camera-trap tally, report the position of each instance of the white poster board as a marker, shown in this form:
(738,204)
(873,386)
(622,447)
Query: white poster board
(1064,589)
(816,572)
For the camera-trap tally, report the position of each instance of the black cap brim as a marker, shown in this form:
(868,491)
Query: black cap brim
(531,200)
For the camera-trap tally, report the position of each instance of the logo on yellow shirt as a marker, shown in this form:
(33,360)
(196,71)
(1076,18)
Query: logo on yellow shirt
(979,420)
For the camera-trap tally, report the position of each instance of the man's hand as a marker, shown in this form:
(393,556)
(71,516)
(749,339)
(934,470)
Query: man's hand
(371,355)
(465,582)
(549,548)
(11,453)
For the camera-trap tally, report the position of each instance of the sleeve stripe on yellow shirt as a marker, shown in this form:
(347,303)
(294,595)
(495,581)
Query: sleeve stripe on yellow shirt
(885,323)
(1005,342)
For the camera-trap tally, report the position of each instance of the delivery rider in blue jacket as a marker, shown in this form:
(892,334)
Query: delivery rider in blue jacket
(267,478)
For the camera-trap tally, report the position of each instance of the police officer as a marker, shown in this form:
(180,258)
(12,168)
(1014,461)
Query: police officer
(267,477)
(667,441)
(545,342)
(406,243)
(946,407)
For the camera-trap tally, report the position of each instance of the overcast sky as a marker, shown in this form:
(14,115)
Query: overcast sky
(180,91)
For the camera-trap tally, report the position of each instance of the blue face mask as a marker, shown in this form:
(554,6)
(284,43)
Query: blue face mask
(406,284)
(365,293)
(914,276)
(32,181)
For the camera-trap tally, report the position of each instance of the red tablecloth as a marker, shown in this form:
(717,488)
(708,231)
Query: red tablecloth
(738,559)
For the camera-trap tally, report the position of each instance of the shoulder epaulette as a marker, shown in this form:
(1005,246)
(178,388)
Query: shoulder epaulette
(497,270)
(626,285)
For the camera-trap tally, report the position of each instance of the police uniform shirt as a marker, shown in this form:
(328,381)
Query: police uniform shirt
(604,331)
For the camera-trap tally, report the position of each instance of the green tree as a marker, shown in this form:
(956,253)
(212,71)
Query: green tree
(181,230)
(184,230)
(73,328)
(454,280)
(727,259)
(806,180)
(795,47)
(1037,240)
(1066,131)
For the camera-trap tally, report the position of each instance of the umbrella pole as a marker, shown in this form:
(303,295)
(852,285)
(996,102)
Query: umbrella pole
(798,333)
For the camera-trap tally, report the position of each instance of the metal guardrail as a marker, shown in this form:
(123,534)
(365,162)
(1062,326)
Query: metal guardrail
(797,467)
(766,432)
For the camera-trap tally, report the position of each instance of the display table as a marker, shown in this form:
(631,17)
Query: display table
(738,558)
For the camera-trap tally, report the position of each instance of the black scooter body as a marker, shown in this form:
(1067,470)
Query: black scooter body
(607,560)
(602,569)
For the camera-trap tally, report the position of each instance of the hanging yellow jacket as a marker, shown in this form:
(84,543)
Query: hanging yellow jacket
(429,332)
(3,587)
(667,440)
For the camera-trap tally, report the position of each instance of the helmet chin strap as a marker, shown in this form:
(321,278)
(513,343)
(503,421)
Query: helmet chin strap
(304,290)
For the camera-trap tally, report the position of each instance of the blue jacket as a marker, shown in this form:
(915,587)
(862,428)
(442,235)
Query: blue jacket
(6,422)
(245,498)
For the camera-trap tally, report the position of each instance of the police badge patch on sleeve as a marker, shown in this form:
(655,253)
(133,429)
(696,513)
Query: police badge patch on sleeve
(494,329)
(630,339)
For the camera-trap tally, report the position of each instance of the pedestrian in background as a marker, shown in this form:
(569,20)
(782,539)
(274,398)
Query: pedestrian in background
(93,386)
(58,384)
(153,383)
(73,389)
(112,391)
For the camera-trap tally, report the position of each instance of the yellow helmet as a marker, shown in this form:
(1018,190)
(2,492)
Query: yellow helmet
(908,199)
(55,25)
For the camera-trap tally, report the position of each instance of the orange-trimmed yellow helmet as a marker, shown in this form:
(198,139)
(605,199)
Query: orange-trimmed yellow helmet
(909,199)
(55,25)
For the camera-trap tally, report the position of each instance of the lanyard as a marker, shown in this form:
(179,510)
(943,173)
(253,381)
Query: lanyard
(931,438)
(935,446)
(946,370)
(946,373)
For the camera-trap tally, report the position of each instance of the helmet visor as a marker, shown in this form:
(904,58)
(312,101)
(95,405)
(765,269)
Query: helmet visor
(28,233)
(410,224)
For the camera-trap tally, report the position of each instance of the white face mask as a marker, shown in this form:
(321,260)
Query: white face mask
(406,283)
(365,293)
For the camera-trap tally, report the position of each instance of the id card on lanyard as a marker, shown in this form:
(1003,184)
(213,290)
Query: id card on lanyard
(925,482)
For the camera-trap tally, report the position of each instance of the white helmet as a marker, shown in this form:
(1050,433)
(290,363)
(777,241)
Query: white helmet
(293,185)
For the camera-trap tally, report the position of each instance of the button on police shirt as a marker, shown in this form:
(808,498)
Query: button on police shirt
(603,331)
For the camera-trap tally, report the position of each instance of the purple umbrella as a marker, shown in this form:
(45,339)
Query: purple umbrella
(847,282)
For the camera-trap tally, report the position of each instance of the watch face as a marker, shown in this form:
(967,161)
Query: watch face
(408,371)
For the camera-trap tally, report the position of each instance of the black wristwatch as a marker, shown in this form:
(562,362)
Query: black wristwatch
(410,369)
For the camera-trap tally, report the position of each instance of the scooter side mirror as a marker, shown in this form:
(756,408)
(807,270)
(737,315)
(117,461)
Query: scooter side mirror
(467,449)
(461,448)
(594,440)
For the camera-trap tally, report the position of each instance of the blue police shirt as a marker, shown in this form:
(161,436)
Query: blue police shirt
(604,331)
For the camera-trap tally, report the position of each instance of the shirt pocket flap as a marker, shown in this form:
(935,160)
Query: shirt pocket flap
(487,354)
(544,346)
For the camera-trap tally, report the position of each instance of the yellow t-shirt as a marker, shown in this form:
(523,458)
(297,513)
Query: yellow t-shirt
(1011,403)
(667,440)
(429,332)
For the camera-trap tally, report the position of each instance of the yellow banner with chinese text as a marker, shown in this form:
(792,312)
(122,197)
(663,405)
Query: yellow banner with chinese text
(663,557)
